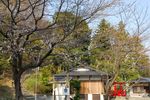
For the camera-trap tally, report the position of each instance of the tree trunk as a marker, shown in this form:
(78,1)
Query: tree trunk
(17,84)
(107,95)
(109,85)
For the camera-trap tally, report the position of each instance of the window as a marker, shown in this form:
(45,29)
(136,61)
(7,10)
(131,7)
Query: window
(83,96)
(138,89)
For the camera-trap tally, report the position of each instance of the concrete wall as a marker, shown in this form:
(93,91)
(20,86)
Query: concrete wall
(59,91)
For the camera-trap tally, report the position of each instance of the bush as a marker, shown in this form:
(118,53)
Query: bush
(75,85)
(41,80)
(6,93)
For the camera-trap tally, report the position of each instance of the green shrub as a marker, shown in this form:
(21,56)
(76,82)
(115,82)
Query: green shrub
(39,81)
(75,85)
(6,92)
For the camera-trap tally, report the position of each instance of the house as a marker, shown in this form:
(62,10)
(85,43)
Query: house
(91,83)
(140,87)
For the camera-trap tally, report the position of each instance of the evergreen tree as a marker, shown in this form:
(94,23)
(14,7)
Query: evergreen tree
(101,37)
(74,50)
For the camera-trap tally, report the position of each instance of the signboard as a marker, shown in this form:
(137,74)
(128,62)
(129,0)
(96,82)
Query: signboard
(66,91)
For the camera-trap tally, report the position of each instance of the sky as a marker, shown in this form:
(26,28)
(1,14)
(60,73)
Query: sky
(142,8)
(140,5)
(143,5)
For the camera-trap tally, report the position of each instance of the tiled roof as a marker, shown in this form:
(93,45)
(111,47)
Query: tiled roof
(142,80)
(76,72)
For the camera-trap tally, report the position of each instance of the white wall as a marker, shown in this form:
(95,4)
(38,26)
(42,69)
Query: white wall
(132,94)
(59,91)
(90,97)
(101,97)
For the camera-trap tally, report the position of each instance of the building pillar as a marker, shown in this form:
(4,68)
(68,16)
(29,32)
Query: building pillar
(90,97)
(101,97)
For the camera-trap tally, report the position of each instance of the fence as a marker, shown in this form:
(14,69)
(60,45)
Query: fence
(37,97)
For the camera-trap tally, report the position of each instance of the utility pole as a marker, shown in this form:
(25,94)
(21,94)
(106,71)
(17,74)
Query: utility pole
(36,83)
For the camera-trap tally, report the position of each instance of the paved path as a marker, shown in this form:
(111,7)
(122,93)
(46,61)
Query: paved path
(132,98)
(39,98)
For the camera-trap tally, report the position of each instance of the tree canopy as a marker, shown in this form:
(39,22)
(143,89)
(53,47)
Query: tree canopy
(39,33)
(31,37)
(118,53)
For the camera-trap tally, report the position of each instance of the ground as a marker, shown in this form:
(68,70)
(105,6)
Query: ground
(132,98)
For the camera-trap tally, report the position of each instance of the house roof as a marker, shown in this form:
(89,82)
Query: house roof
(142,80)
(82,71)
